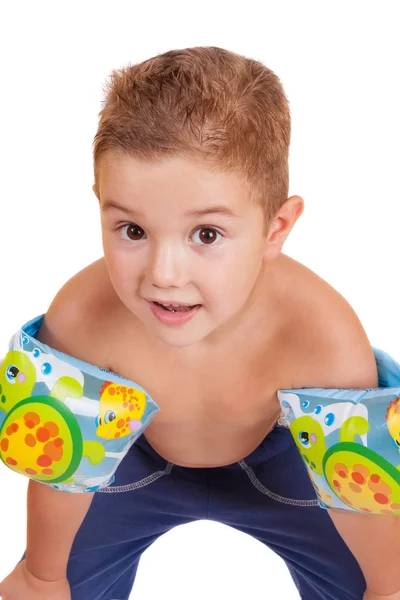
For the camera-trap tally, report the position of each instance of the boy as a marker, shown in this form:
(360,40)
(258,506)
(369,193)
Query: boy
(191,174)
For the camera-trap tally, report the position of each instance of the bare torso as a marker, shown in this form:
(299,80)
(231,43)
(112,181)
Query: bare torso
(216,406)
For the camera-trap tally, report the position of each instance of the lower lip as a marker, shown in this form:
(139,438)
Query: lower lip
(172,318)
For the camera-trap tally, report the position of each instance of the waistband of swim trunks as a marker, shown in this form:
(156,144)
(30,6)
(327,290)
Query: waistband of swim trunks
(277,440)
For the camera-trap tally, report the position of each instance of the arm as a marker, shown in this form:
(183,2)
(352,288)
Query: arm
(374,540)
(54,518)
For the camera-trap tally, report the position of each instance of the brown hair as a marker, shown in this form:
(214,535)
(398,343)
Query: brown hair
(202,102)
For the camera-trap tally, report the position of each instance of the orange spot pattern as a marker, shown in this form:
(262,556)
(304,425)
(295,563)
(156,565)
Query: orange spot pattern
(341,470)
(42,434)
(346,500)
(363,481)
(381,499)
(52,450)
(30,440)
(13,428)
(52,428)
(355,488)
(129,402)
(358,478)
(44,461)
(31,420)
(336,484)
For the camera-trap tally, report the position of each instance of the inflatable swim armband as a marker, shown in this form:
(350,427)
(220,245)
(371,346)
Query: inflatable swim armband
(65,422)
(349,440)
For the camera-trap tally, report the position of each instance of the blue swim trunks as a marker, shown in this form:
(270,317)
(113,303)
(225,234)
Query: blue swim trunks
(267,495)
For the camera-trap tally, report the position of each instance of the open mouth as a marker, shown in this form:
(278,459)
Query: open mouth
(170,308)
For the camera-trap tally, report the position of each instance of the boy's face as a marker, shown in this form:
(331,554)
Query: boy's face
(157,248)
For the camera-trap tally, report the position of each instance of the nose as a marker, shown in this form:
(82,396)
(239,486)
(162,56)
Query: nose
(167,266)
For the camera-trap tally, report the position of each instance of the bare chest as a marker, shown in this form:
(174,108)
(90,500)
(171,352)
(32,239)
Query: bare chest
(212,413)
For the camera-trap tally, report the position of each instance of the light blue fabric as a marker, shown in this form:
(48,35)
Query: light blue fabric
(349,440)
(63,421)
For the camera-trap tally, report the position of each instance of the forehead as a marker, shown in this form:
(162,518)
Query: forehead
(123,177)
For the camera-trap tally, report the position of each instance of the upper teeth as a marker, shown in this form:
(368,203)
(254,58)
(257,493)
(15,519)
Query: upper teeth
(176,305)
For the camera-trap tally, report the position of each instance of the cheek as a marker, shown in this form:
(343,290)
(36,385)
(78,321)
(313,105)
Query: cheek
(240,271)
(230,284)
(123,272)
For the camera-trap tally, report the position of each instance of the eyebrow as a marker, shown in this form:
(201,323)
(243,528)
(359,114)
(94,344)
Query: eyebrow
(222,210)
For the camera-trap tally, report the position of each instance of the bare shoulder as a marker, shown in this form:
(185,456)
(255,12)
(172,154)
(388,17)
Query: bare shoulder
(331,343)
(79,319)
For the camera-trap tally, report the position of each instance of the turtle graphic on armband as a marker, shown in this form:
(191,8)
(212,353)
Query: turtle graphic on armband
(40,436)
(360,477)
(121,410)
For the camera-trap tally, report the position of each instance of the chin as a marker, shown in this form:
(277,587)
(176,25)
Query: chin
(179,339)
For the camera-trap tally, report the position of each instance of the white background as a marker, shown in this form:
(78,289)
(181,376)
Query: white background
(338,62)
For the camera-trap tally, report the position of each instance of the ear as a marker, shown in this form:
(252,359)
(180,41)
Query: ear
(94,188)
(282,225)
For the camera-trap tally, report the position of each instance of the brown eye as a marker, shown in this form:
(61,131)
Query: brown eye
(134,232)
(207,235)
